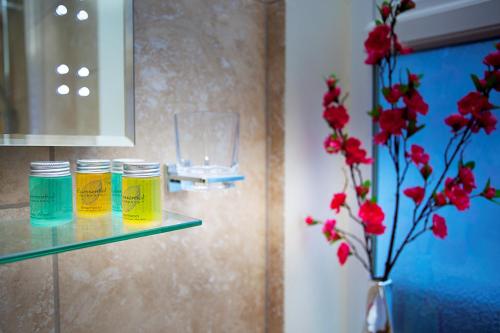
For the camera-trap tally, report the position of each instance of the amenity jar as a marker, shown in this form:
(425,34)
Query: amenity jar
(116,182)
(141,192)
(51,188)
(93,188)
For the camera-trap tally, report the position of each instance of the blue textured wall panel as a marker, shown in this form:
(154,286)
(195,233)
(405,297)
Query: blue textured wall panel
(450,285)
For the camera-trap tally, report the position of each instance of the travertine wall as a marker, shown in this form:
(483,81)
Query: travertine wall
(189,55)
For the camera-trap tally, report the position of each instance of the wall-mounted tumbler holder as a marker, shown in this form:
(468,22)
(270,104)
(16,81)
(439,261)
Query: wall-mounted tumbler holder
(176,182)
(207,152)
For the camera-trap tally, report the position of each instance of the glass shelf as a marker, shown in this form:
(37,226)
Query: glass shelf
(20,240)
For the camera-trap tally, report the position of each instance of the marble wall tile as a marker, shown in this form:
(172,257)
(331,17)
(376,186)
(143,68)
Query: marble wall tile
(189,55)
(26,292)
(14,172)
(276,137)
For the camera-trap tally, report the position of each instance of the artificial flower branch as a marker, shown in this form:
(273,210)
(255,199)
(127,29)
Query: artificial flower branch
(397,125)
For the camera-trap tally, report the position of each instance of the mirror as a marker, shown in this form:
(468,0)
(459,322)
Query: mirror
(66,73)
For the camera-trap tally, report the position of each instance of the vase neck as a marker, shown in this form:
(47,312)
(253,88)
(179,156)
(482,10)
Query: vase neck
(382,282)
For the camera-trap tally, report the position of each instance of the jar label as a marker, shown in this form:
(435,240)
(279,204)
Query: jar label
(131,197)
(91,192)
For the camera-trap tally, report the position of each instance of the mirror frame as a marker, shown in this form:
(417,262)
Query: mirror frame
(127,140)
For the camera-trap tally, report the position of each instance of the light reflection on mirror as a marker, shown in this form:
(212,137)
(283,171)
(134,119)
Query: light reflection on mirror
(83,72)
(62,69)
(61,10)
(63,90)
(84,91)
(82,15)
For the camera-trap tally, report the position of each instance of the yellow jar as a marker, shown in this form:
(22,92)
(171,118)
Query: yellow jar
(141,193)
(93,188)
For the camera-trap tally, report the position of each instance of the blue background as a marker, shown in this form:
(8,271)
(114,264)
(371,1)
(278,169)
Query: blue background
(450,285)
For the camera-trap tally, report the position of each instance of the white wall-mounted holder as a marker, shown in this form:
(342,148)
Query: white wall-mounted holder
(176,182)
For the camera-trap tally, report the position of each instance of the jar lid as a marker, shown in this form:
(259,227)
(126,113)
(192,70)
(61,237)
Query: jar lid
(141,169)
(93,166)
(117,164)
(50,168)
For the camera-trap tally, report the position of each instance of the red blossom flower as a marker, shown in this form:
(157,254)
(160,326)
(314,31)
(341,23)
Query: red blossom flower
(331,96)
(440,199)
(489,193)
(381,138)
(329,230)
(343,253)
(375,229)
(418,155)
(415,103)
(493,59)
(456,122)
(473,103)
(336,116)
(392,121)
(338,200)
(332,146)
(310,221)
(415,193)
(457,195)
(439,228)
(372,216)
(467,179)
(378,44)
(487,121)
(393,94)
(354,154)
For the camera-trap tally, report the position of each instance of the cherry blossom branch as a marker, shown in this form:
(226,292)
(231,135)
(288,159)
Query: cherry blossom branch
(421,232)
(353,236)
(358,256)
(367,245)
(395,159)
(352,216)
(407,160)
(427,208)
(448,147)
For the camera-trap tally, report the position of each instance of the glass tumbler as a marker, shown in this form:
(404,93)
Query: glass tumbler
(207,143)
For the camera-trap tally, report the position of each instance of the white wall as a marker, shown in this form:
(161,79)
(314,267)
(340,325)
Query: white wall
(321,38)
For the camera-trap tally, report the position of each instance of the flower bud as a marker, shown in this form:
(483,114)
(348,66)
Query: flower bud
(385,11)
(331,81)
(426,171)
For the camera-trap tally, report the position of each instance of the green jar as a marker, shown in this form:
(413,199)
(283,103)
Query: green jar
(116,182)
(51,193)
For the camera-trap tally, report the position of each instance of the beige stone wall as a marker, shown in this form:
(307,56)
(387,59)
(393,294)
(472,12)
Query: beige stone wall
(189,55)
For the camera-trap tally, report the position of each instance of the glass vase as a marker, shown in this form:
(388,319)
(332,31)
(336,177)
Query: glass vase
(378,317)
